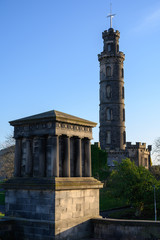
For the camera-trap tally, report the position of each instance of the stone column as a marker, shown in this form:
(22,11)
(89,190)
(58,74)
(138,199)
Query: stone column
(87,158)
(55,156)
(66,161)
(78,160)
(72,157)
(42,153)
(29,158)
(17,159)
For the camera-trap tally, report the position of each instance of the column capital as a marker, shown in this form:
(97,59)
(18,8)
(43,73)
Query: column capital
(53,135)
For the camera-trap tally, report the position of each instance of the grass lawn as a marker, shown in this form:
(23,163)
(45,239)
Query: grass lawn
(108,202)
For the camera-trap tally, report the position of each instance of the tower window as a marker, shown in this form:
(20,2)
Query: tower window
(108,137)
(124,137)
(145,162)
(109,114)
(141,163)
(123,92)
(123,114)
(108,71)
(109,47)
(122,73)
(117,48)
(108,91)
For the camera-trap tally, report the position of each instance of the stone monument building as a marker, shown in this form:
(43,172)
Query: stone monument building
(112,109)
(112,134)
(52,195)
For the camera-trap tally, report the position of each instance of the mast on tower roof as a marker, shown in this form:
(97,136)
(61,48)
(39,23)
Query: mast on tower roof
(111,15)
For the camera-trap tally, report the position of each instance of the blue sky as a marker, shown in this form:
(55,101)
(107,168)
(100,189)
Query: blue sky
(48,60)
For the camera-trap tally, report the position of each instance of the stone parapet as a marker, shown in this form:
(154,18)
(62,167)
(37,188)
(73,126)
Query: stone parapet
(120,56)
(125,229)
(6,229)
(138,145)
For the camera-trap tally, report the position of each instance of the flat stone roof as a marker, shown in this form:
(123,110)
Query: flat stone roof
(55,116)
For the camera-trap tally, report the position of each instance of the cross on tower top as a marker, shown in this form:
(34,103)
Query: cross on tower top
(111,15)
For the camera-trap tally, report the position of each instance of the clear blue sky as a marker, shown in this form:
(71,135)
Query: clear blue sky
(48,60)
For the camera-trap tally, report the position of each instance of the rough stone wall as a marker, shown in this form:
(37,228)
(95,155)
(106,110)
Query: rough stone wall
(116,156)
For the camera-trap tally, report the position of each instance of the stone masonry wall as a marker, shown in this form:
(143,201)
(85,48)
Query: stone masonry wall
(33,212)
(73,209)
(30,204)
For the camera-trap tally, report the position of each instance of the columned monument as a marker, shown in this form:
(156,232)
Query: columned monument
(52,194)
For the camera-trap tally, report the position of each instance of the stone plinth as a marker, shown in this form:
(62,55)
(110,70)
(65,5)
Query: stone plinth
(58,208)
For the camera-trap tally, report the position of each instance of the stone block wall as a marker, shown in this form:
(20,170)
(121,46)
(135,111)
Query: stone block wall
(30,204)
(73,210)
(33,213)
(28,229)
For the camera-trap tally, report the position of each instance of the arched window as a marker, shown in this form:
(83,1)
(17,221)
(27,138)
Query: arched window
(122,92)
(108,91)
(108,137)
(108,71)
(123,114)
(124,137)
(122,73)
(109,114)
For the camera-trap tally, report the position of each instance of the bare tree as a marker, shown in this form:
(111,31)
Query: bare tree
(7,157)
(9,141)
(156,151)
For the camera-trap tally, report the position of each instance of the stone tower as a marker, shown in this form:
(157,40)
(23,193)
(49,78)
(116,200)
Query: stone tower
(112,133)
